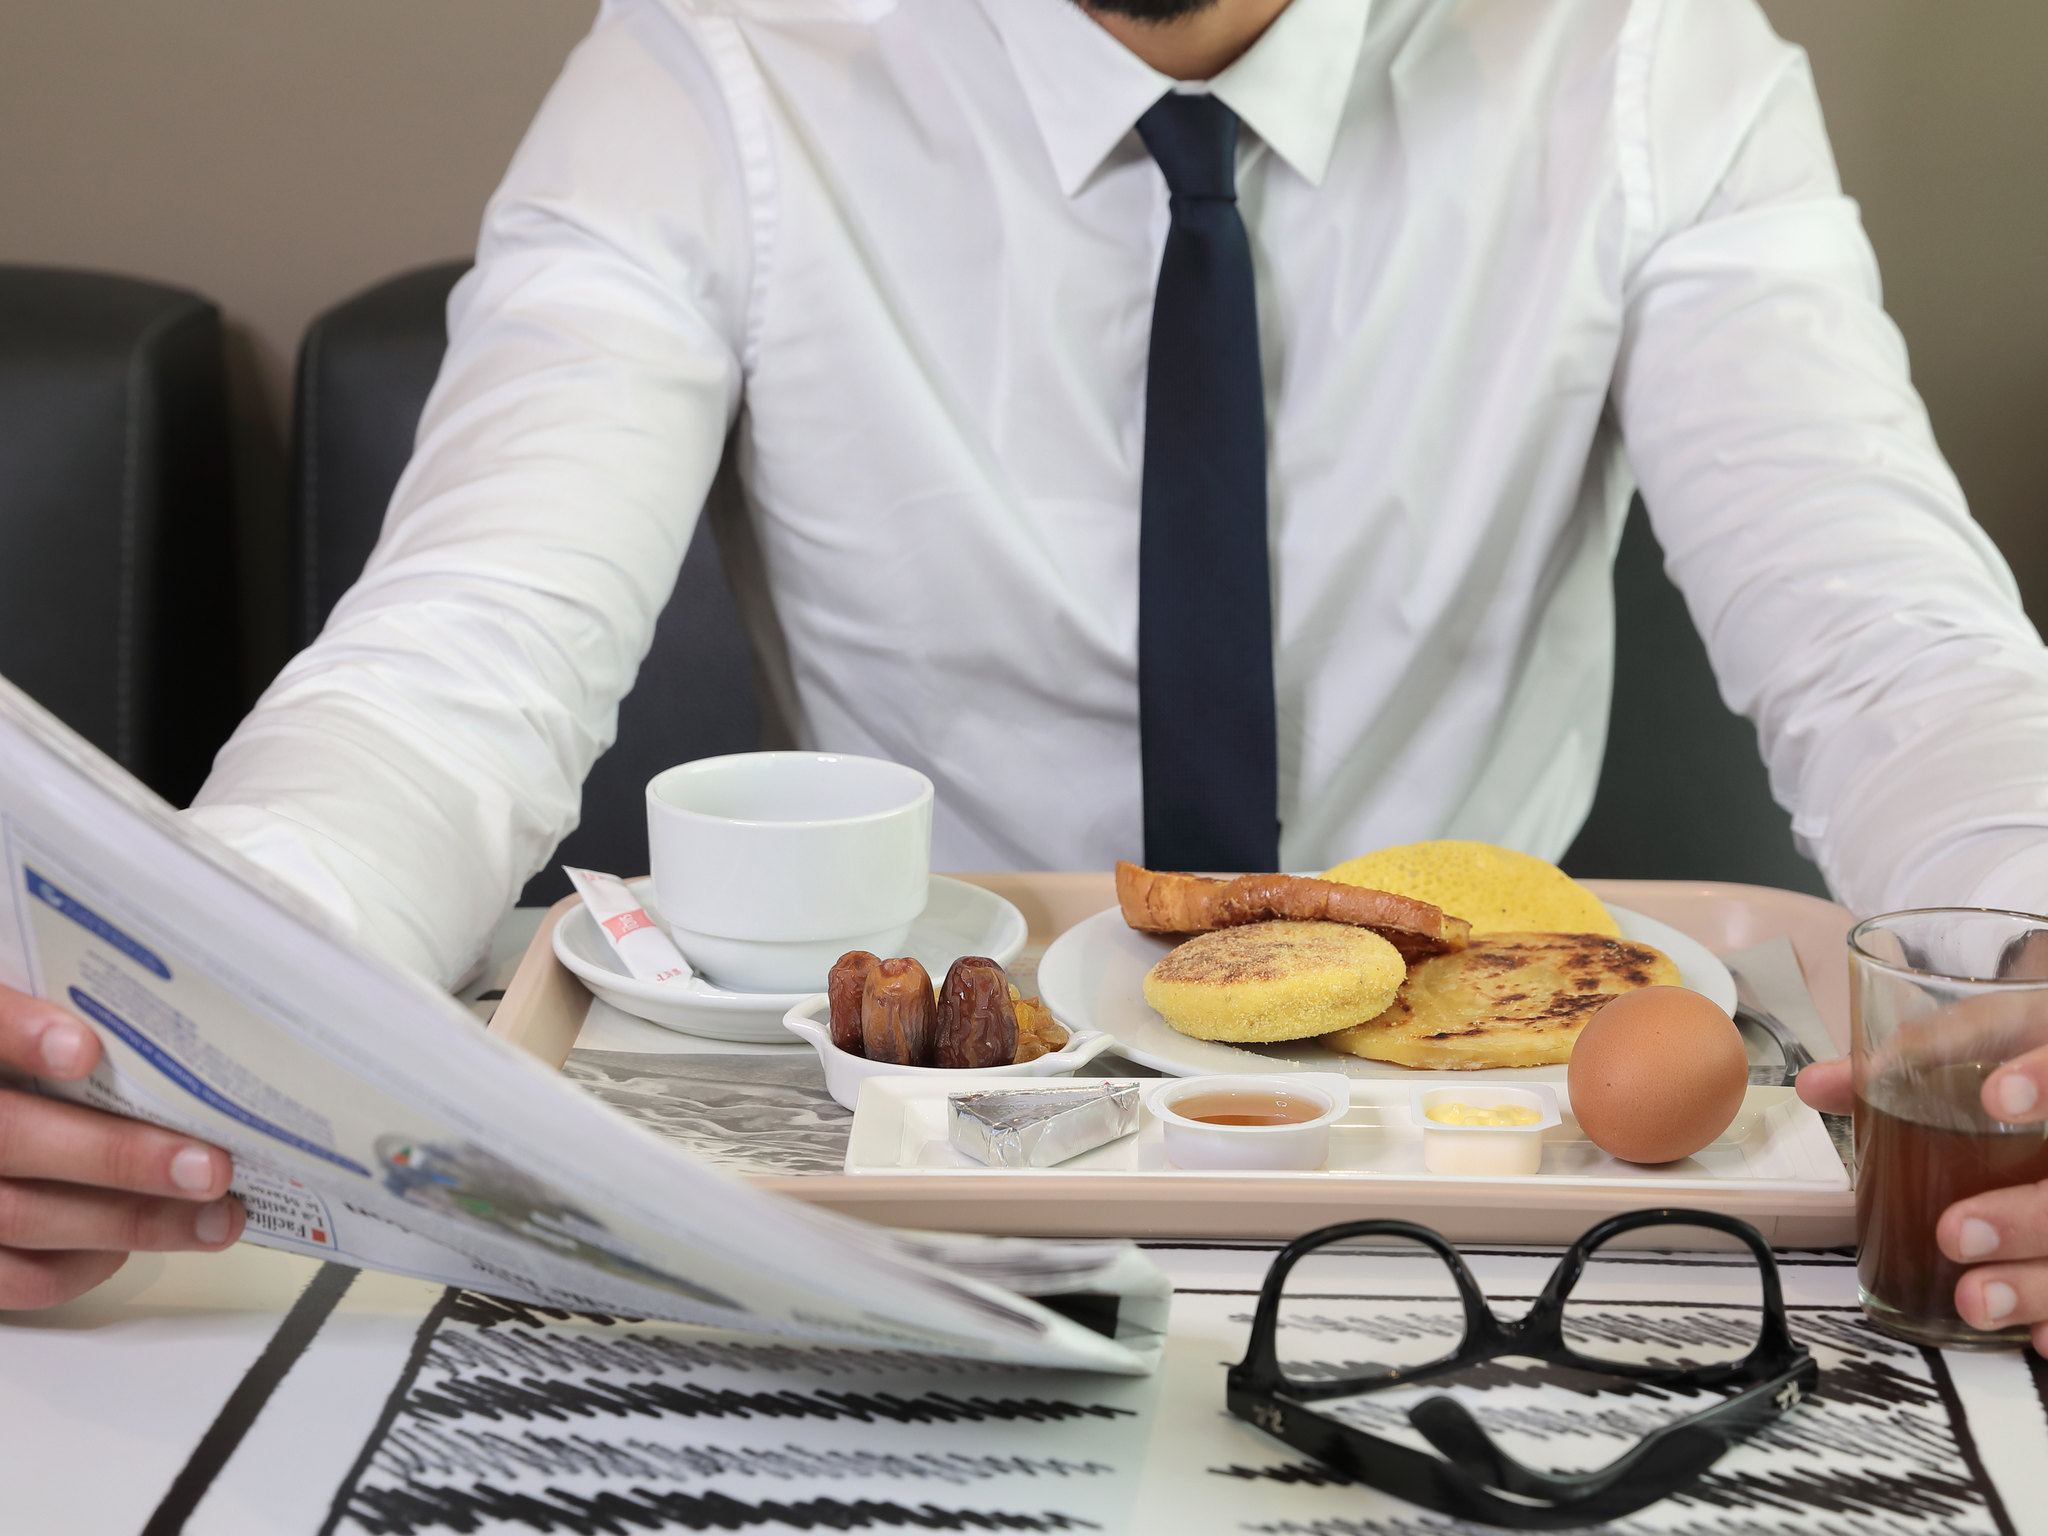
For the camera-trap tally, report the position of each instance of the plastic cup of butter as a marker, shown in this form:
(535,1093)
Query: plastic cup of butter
(1261,1123)
(1463,1129)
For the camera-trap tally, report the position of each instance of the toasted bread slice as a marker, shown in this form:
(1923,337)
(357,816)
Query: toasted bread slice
(1154,901)
(1506,1000)
(1275,981)
(1158,902)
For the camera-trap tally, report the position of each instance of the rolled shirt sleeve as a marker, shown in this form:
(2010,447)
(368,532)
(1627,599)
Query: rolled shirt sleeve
(417,763)
(1851,607)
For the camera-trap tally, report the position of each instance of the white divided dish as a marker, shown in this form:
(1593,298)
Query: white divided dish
(958,919)
(1093,977)
(1775,1144)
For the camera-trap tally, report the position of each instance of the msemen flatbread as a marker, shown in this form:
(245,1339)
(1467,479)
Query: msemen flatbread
(1506,1000)
(1275,981)
(1495,889)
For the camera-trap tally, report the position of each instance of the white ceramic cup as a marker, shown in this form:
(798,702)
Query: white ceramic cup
(768,866)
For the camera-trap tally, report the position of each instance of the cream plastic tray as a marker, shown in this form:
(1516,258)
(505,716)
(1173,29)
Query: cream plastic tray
(544,1005)
(1775,1143)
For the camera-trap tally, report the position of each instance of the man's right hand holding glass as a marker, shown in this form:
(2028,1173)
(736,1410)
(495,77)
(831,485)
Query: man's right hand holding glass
(2003,1233)
(79,1189)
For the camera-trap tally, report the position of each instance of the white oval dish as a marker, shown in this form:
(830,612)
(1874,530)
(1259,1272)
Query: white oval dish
(958,919)
(1093,977)
(845,1073)
(1493,1150)
(1300,1147)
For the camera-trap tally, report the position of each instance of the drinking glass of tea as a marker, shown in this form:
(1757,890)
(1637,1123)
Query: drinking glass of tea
(1940,998)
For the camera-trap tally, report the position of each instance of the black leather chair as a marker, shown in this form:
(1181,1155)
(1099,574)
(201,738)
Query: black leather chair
(1682,793)
(118,599)
(365,368)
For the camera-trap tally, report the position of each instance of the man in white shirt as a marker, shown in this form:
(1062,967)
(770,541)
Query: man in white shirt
(1510,260)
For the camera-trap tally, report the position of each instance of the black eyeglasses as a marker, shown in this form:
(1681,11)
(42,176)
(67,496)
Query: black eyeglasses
(1746,1350)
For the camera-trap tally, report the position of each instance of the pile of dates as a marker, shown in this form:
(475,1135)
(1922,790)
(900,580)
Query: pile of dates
(887,1010)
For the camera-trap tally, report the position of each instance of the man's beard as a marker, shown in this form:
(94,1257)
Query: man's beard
(1150,10)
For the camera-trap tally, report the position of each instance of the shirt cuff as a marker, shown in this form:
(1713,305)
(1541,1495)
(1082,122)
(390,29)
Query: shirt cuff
(2018,884)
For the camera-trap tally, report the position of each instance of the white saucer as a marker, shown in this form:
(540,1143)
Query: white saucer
(958,919)
(1093,978)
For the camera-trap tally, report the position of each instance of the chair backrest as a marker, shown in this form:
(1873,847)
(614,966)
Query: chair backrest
(118,598)
(1682,793)
(365,368)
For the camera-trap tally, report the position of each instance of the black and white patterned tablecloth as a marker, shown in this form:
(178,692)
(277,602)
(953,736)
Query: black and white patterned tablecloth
(505,1419)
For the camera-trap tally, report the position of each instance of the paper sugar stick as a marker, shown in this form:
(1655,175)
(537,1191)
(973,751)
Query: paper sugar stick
(647,953)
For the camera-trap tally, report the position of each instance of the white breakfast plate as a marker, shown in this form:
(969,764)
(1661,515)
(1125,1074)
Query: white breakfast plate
(958,919)
(1093,978)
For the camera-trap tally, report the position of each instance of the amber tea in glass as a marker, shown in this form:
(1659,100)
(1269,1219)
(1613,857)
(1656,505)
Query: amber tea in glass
(1940,998)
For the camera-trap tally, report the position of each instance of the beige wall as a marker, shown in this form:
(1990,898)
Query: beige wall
(1940,125)
(281,154)
(275,155)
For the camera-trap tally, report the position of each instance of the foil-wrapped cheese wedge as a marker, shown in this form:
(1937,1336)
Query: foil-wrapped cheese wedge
(1039,1127)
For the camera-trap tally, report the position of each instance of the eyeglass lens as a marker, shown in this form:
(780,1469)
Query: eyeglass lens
(1622,1310)
(1357,1312)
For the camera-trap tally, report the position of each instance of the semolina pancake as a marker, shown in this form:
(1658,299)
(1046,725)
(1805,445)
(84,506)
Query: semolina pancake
(1495,889)
(1275,981)
(1507,1000)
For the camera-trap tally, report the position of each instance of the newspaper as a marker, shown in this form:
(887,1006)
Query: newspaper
(371,1121)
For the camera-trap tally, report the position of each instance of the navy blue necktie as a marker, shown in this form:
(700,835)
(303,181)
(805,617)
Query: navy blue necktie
(1205,624)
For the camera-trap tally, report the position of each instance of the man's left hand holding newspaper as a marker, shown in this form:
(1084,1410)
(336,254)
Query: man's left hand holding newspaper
(80,1190)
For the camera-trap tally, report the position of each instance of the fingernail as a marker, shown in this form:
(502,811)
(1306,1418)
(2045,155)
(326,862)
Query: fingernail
(1999,1299)
(193,1169)
(2016,1095)
(1978,1238)
(64,1047)
(213,1222)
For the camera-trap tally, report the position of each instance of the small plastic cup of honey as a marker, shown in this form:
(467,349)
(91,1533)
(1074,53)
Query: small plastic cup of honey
(1489,1131)
(1281,1121)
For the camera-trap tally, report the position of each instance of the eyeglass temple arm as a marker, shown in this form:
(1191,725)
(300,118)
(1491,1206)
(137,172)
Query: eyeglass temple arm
(1679,1453)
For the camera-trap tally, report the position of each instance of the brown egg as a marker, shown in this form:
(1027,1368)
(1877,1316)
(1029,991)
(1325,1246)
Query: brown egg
(1657,1074)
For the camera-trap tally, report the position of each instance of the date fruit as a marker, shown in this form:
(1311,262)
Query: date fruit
(977,1019)
(898,1016)
(848,980)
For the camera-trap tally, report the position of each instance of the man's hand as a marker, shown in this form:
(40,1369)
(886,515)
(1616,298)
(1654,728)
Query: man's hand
(2010,1225)
(80,1189)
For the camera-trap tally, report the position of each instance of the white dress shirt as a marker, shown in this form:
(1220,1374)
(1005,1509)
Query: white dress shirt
(1514,256)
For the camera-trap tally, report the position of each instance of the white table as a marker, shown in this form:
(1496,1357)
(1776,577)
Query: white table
(106,1401)
(180,1389)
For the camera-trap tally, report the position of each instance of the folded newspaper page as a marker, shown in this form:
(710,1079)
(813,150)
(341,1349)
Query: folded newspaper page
(373,1122)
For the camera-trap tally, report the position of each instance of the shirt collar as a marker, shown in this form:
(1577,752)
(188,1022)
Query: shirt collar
(1087,91)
